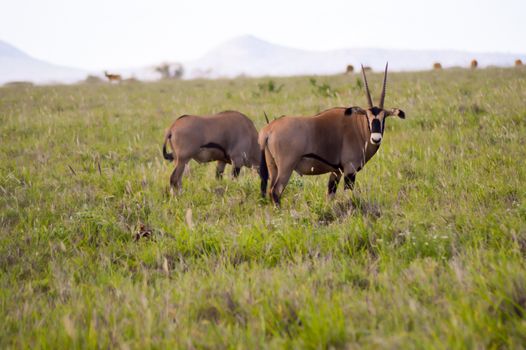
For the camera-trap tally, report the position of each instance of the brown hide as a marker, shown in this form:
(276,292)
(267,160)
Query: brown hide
(330,142)
(331,135)
(337,141)
(113,77)
(226,137)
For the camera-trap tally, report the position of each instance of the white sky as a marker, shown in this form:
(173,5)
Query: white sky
(98,34)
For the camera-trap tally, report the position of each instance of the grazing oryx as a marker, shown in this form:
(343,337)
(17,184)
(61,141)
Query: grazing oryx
(474,64)
(518,63)
(337,141)
(113,77)
(437,66)
(227,137)
(350,69)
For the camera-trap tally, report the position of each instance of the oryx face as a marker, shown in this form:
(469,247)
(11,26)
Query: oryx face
(375,119)
(376,115)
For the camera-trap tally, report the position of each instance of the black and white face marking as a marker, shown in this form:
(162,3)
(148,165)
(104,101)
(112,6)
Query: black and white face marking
(375,118)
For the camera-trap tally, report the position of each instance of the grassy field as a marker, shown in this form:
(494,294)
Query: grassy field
(428,252)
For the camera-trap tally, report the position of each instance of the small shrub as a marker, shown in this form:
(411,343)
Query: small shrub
(323,90)
(270,87)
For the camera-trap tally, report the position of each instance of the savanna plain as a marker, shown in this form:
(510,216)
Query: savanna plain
(428,251)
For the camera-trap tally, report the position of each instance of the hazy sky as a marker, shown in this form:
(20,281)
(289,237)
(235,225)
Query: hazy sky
(97,34)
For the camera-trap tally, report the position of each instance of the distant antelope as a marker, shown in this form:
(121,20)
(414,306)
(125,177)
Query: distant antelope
(350,69)
(113,77)
(367,68)
(437,66)
(474,64)
(337,141)
(227,137)
(518,63)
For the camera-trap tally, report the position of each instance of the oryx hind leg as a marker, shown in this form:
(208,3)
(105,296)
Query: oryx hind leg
(280,183)
(177,174)
(272,170)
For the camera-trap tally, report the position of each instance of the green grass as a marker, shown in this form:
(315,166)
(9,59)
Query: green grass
(428,252)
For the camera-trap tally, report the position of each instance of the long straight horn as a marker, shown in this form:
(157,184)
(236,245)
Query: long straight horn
(266,117)
(382,96)
(367,92)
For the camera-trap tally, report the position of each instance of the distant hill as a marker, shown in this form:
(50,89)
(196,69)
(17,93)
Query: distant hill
(16,65)
(248,55)
(251,56)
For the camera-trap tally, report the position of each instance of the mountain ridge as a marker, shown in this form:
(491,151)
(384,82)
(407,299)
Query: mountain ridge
(16,65)
(248,55)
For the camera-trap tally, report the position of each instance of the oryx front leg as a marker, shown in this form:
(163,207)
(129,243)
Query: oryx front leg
(349,179)
(220,169)
(237,163)
(334,180)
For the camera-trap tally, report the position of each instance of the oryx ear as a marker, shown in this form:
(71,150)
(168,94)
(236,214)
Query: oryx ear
(396,112)
(355,110)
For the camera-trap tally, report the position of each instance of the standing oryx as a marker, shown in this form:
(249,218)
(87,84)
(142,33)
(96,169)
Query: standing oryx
(113,77)
(337,141)
(226,137)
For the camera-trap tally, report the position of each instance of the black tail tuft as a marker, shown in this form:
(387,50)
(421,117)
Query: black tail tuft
(263,173)
(166,155)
